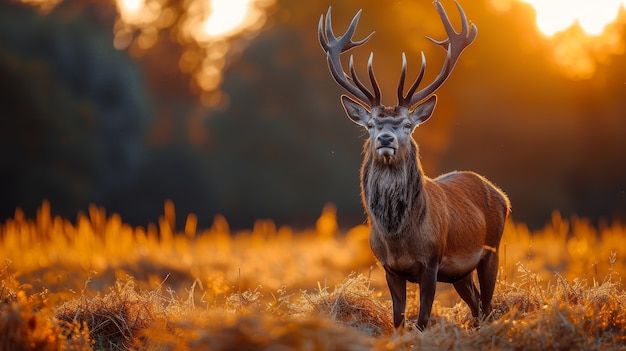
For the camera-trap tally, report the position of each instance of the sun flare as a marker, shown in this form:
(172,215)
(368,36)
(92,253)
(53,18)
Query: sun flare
(207,29)
(580,34)
(130,9)
(226,16)
(592,16)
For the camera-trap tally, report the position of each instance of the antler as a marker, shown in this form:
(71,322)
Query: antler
(334,46)
(455,44)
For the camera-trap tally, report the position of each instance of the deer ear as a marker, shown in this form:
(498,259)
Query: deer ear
(355,111)
(423,111)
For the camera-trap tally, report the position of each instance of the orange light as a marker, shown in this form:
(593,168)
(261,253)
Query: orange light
(216,23)
(205,28)
(580,33)
(227,16)
(208,25)
(130,10)
(592,16)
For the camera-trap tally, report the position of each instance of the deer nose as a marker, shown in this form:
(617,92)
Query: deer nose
(385,139)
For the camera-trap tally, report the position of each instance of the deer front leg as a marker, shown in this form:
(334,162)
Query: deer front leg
(397,287)
(428,284)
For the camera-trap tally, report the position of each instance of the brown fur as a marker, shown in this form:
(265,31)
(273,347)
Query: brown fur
(418,224)
(426,230)
(422,230)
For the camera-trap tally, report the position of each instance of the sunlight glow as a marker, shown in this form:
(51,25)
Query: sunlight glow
(212,24)
(592,16)
(130,9)
(580,33)
(206,30)
(226,16)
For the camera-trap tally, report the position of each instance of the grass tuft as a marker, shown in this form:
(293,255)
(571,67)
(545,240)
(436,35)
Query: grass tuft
(353,304)
(114,320)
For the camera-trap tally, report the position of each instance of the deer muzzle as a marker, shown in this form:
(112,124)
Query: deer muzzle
(386,145)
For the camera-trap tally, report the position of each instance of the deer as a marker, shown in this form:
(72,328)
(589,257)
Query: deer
(422,230)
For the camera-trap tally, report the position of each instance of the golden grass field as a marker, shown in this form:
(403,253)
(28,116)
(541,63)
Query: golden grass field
(97,283)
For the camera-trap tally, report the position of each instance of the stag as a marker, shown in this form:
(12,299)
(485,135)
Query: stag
(423,230)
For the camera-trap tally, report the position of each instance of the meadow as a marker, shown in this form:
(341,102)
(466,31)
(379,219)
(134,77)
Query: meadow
(96,283)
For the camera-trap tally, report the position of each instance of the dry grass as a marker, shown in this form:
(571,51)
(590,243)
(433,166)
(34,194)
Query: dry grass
(114,321)
(353,304)
(27,322)
(100,284)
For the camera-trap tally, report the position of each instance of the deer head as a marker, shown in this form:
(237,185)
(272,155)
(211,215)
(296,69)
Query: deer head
(390,128)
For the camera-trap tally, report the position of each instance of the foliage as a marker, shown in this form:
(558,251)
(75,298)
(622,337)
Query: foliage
(73,113)
(102,284)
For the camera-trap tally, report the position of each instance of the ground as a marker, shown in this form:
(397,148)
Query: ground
(100,284)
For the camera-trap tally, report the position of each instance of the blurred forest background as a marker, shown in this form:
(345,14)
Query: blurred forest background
(97,106)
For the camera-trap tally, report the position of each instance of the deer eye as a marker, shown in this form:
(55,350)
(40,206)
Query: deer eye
(408,125)
(370,125)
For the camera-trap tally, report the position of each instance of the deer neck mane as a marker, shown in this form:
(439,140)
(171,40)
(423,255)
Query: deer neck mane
(392,192)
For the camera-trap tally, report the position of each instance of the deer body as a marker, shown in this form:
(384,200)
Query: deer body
(451,227)
(446,236)
(423,230)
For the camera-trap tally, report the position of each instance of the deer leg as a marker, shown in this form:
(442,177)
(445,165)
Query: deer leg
(428,284)
(487,274)
(469,293)
(397,287)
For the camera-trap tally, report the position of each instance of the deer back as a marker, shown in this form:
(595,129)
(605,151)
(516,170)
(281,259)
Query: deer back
(475,211)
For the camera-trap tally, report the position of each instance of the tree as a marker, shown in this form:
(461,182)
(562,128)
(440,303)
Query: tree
(73,112)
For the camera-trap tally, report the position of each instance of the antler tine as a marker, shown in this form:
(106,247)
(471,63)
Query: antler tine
(370,70)
(404,100)
(374,99)
(401,81)
(454,44)
(358,82)
(320,32)
(346,39)
(334,46)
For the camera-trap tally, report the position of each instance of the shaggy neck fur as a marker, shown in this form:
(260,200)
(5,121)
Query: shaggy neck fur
(392,190)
